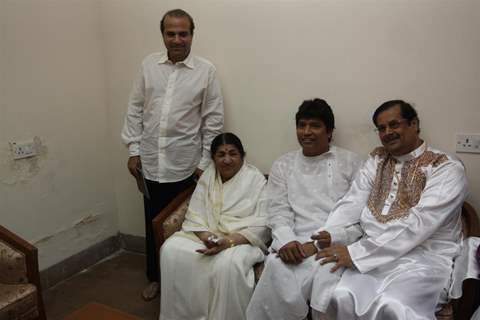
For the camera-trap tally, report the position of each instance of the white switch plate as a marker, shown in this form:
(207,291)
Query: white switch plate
(23,149)
(467,142)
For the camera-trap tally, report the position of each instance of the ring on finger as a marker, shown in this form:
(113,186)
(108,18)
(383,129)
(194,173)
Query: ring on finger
(335,256)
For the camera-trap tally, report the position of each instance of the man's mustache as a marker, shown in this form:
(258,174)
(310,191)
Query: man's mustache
(391,136)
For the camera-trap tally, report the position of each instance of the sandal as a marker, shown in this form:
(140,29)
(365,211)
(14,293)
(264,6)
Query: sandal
(151,291)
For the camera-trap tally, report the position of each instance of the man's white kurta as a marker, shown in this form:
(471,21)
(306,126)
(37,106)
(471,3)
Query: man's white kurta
(301,192)
(196,286)
(174,112)
(409,209)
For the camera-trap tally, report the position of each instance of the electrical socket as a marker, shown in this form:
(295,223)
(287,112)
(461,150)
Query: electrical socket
(467,143)
(23,149)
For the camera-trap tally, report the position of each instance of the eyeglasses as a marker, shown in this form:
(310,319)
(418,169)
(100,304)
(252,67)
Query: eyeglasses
(394,124)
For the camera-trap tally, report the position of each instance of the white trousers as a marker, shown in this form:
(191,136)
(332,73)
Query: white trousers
(285,291)
(402,290)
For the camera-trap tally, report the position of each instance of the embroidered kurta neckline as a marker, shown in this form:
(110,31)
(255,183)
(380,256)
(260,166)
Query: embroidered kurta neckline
(399,182)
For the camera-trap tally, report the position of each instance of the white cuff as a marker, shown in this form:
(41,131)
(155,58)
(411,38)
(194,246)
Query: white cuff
(338,236)
(134,149)
(355,262)
(281,236)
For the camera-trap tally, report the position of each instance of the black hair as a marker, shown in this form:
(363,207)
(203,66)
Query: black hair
(178,13)
(317,109)
(406,110)
(227,138)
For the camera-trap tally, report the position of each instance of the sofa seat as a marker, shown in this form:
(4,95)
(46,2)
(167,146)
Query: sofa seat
(18,302)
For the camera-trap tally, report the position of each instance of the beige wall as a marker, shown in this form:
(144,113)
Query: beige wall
(271,55)
(66,68)
(52,86)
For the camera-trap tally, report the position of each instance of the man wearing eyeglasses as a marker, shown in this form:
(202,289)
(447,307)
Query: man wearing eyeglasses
(407,198)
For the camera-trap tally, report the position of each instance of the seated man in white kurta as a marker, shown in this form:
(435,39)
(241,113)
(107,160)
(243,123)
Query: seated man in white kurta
(303,187)
(407,198)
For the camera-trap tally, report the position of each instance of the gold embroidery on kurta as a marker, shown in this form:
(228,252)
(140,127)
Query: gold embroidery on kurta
(412,183)
(379,151)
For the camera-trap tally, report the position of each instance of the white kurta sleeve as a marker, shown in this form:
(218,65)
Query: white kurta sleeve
(343,221)
(345,235)
(133,125)
(441,199)
(212,117)
(279,212)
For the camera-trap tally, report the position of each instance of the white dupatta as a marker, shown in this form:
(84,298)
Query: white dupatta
(236,206)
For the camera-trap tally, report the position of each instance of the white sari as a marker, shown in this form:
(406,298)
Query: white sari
(195,286)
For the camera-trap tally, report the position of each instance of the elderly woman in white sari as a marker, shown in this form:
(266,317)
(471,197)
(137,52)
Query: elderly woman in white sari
(207,267)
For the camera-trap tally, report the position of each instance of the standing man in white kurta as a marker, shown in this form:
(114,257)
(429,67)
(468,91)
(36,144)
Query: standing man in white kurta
(407,198)
(174,112)
(303,187)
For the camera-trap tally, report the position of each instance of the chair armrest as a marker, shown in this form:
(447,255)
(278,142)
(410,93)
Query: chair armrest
(166,212)
(24,247)
(31,257)
(471,224)
(13,265)
(175,221)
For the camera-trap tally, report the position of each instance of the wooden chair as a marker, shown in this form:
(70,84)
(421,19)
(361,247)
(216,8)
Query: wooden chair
(170,218)
(20,289)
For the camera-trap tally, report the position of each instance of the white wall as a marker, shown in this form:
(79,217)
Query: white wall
(52,85)
(271,55)
(66,68)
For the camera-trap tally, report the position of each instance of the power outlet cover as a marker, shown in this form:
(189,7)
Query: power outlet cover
(466,142)
(23,149)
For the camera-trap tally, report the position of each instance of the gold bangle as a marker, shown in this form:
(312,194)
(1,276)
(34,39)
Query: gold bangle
(231,242)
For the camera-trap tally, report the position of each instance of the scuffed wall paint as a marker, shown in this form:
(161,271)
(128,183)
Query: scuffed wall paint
(84,222)
(21,170)
(38,205)
(52,85)
(69,240)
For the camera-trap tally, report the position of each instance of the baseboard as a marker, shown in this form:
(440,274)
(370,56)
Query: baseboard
(88,257)
(132,243)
